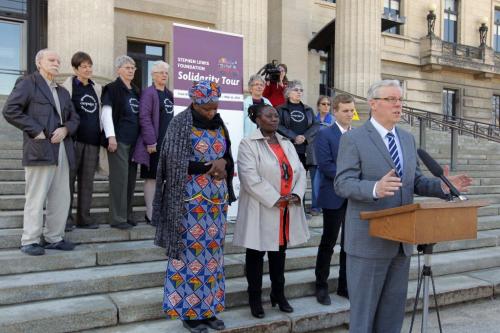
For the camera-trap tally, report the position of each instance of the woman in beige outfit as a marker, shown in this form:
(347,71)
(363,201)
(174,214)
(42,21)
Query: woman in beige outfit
(270,212)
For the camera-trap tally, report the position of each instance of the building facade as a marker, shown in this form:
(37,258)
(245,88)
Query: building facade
(343,44)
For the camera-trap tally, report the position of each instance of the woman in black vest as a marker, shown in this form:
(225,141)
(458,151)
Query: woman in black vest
(120,118)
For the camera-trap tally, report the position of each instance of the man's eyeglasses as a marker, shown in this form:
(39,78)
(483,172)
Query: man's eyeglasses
(298,89)
(392,100)
(161,73)
(325,104)
(129,68)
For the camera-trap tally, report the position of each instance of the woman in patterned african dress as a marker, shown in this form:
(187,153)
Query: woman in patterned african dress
(193,190)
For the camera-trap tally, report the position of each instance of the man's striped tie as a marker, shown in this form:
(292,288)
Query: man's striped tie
(393,151)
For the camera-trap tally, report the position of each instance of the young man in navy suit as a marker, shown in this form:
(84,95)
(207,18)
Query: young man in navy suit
(334,207)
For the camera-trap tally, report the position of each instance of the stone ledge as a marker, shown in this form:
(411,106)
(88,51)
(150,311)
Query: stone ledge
(66,315)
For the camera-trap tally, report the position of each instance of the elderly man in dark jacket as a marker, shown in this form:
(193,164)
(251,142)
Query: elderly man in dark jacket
(44,112)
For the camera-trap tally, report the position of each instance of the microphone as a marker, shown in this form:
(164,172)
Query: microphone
(437,171)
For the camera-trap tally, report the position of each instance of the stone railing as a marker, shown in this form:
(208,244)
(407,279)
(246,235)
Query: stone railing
(459,50)
(436,54)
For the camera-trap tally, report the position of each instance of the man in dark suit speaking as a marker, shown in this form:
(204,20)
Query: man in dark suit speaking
(377,169)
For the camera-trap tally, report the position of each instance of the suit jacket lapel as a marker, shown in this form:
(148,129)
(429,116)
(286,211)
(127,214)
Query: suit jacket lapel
(44,88)
(379,143)
(336,130)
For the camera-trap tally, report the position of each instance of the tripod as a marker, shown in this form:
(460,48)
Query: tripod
(424,278)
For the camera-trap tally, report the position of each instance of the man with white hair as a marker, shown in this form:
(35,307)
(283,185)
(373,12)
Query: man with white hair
(377,169)
(44,112)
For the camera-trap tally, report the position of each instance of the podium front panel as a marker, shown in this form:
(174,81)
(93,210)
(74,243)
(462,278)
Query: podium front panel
(427,225)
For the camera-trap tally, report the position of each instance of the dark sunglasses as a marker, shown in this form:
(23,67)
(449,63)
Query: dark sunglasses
(324,103)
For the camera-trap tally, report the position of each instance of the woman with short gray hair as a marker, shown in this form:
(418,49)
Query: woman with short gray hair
(297,121)
(156,110)
(256,86)
(120,120)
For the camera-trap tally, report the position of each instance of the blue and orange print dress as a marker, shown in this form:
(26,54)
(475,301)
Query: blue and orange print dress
(194,284)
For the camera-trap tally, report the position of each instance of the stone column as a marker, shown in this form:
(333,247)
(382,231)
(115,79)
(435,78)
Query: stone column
(357,45)
(248,18)
(83,25)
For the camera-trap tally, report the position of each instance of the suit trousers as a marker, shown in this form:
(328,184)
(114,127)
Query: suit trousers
(313,173)
(377,292)
(333,219)
(122,177)
(46,185)
(254,262)
(87,157)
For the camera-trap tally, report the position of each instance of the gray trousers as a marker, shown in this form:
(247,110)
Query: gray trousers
(122,177)
(377,292)
(46,184)
(87,157)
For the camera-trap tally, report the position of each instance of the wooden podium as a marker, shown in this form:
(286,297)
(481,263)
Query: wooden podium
(426,222)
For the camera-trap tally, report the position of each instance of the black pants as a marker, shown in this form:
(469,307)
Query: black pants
(122,177)
(333,219)
(303,160)
(254,262)
(87,157)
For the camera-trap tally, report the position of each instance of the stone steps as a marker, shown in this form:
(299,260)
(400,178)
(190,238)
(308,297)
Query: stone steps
(11,160)
(11,238)
(484,189)
(95,312)
(488,222)
(134,251)
(99,200)
(14,218)
(136,279)
(114,252)
(17,187)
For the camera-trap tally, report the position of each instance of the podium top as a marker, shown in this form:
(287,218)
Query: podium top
(423,205)
(426,222)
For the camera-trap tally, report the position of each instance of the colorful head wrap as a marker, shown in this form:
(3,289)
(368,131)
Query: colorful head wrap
(204,92)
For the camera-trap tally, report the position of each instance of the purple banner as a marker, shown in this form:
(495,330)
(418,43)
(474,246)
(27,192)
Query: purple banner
(201,54)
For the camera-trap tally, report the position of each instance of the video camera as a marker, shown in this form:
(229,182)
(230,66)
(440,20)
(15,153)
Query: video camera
(270,71)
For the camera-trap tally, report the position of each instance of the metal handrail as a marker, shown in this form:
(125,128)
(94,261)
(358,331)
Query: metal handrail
(477,129)
(9,71)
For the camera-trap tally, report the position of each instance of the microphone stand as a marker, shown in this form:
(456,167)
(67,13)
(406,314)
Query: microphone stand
(426,277)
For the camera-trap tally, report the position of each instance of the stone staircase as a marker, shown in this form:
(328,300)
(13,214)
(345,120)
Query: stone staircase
(112,281)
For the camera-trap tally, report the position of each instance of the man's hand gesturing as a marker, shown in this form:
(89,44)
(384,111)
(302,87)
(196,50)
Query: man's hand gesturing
(388,185)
